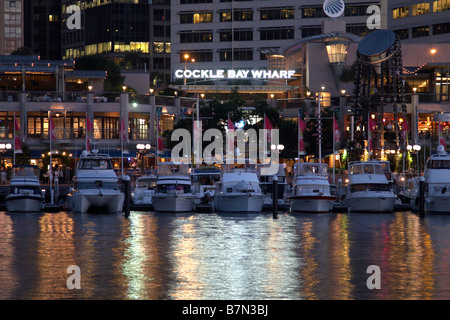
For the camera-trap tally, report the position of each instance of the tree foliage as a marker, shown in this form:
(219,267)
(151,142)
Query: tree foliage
(22,51)
(114,78)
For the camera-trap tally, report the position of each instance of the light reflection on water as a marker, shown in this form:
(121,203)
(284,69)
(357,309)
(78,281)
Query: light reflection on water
(210,256)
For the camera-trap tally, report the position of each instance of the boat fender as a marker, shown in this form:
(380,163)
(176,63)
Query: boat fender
(444,190)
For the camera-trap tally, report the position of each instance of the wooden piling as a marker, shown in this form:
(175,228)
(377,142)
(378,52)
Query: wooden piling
(422,198)
(275,196)
(127,192)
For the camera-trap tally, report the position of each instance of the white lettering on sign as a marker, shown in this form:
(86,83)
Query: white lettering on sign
(234,74)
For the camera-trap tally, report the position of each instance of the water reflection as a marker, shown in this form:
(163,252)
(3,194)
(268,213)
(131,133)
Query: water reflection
(212,256)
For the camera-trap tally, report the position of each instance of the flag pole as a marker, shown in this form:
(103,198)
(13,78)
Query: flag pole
(50,131)
(14,141)
(121,142)
(334,150)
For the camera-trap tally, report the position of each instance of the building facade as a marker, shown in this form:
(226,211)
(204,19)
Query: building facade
(134,33)
(420,21)
(42,28)
(11,26)
(222,34)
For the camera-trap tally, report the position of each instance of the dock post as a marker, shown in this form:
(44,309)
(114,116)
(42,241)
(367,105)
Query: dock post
(127,192)
(275,196)
(422,198)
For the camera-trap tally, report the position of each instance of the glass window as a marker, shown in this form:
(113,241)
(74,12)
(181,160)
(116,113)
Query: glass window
(420,32)
(158,47)
(420,8)
(401,12)
(441,5)
(225,16)
(277,14)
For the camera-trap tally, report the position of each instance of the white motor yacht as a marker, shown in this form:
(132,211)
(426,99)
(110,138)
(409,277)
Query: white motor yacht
(266,183)
(368,188)
(25,193)
(437,180)
(311,189)
(239,192)
(96,185)
(204,181)
(173,193)
(144,190)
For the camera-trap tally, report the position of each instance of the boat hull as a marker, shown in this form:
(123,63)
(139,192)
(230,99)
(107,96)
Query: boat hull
(95,200)
(239,203)
(24,203)
(437,204)
(370,203)
(173,203)
(312,204)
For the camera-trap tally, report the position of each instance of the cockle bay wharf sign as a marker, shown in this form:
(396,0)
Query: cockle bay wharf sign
(234,74)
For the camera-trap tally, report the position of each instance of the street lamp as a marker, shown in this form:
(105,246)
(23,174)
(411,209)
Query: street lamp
(279,147)
(4,147)
(433,52)
(143,148)
(186,57)
(416,148)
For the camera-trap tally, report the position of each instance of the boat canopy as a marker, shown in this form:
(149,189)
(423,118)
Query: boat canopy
(365,168)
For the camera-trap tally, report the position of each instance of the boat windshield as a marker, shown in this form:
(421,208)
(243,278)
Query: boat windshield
(369,187)
(95,164)
(311,168)
(146,183)
(366,168)
(25,190)
(170,169)
(438,164)
(26,171)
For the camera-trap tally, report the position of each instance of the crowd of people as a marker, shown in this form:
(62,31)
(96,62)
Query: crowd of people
(56,174)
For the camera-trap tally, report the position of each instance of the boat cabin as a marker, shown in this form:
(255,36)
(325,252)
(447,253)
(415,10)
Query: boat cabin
(95,163)
(307,168)
(365,168)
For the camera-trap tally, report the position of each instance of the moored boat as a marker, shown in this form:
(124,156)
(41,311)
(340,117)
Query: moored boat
(173,192)
(25,193)
(239,192)
(368,188)
(96,187)
(144,190)
(437,181)
(311,189)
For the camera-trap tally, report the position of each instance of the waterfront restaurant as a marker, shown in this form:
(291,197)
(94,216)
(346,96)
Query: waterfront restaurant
(34,91)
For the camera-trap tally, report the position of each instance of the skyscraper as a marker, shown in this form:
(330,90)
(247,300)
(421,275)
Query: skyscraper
(42,28)
(115,28)
(11,26)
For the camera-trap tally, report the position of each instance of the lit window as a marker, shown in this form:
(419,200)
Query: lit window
(420,8)
(401,12)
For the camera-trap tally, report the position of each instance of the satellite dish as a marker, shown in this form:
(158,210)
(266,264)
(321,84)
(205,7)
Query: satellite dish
(333,8)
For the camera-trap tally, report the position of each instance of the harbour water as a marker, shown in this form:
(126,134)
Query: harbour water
(213,257)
